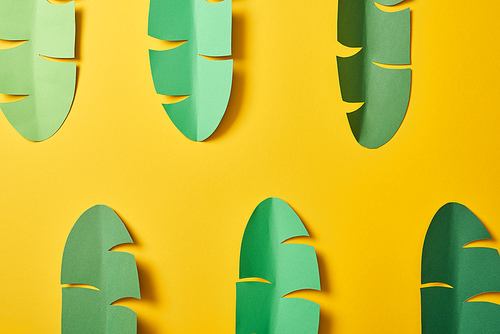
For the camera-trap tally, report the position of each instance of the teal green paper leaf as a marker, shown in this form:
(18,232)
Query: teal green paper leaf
(206,28)
(87,260)
(49,31)
(385,39)
(466,272)
(260,306)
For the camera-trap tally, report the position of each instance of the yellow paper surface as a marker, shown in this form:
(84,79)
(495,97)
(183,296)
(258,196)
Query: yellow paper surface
(285,134)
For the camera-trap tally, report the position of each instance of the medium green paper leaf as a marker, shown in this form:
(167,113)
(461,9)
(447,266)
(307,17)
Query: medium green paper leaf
(469,271)
(183,71)
(49,31)
(260,307)
(87,260)
(384,38)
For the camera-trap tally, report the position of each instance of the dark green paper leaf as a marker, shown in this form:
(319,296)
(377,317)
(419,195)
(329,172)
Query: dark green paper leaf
(87,260)
(260,307)
(469,271)
(385,39)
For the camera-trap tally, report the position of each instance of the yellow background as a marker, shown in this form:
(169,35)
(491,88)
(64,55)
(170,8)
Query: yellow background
(285,134)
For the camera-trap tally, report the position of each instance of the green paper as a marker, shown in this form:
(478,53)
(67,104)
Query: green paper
(183,71)
(385,39)
(469,271)
(49,31)
(260,307)
(87,260)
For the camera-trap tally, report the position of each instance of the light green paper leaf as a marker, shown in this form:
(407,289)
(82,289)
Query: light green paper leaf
(87,260)
(469,271)
(260,307)
(384,38)
(183,71)
(49,31)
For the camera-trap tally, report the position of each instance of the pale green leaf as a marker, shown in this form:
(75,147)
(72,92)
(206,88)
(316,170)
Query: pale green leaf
(183,71)
(49,31)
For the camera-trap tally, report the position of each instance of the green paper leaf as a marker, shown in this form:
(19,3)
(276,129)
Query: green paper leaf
(183,71)
(49,31)
(260,307)
(468,271)
(87,260)
(385,39)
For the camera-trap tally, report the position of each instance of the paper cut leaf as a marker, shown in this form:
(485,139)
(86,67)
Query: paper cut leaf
(385,39)
(260,306)
(464,272)
(110,275)
(49,31)
(184,71)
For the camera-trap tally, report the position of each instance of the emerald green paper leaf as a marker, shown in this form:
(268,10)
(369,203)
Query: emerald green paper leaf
(385,39)
(467,271)
(260,306)
(49,31)
(87,260)
(206,28)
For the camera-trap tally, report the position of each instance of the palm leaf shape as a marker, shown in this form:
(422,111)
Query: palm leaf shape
(184,71)
(462,273)
(87,260)
(49,31)
(260,306)
(385,39)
